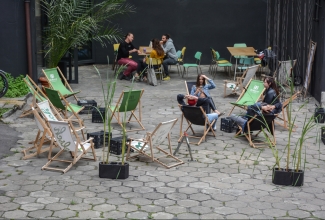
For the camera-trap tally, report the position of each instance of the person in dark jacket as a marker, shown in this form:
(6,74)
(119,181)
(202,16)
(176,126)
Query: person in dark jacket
(270,104)
(123,53)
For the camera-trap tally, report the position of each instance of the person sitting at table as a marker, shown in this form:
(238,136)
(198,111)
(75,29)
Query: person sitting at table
(157,52)
(170,51)
(196,101)
(201,89)
(123,53)
(270,104)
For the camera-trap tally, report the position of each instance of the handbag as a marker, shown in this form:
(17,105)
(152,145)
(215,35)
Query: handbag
(152,79)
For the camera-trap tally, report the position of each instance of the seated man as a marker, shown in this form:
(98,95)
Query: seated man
(258,108)
(196,101)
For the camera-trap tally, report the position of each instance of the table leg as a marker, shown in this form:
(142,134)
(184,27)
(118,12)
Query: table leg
(235,70)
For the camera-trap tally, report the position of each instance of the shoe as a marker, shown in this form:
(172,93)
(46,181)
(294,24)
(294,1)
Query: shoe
(221,114)
(121,76)
(167,78)
(126,77)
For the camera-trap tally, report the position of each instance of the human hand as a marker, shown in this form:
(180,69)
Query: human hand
(161,42)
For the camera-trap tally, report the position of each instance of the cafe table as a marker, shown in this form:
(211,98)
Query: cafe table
(144,50)
(240,51)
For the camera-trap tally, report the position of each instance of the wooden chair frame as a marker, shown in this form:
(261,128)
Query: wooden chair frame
(241,82)
(260,124)
(284,115)
(43,136)
(63,136)
(65,83)
(116,111)
(205,122)
(154,140)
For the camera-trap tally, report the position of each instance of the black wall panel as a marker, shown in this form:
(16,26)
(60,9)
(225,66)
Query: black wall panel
(13,50)
(196,24)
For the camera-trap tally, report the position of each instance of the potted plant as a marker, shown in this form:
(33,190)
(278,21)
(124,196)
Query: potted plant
(73,24)
(292,174)
(107,169)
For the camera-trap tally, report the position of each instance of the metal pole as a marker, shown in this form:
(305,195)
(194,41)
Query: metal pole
(28,38)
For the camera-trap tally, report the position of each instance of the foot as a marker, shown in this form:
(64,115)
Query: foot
(144,79)
(120,76)
(167,78)
(221,114)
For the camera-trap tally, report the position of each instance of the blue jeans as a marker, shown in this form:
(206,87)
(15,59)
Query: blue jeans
(166,62)
(211,117)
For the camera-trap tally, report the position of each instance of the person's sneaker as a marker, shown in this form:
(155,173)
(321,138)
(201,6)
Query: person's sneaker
(167,78)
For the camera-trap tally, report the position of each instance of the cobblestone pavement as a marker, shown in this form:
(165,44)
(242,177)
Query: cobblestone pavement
(228,178)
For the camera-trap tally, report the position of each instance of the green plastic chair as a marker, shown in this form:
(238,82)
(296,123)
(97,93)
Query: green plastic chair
(221,63)
(56,99)
(197,56)
(55,82)
(250,95)
(128,102)
(240,45)
(244,63)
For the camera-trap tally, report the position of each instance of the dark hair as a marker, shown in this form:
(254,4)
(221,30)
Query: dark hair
(167,36)
(128,34)
(198,81)
(157,47)
(272,84)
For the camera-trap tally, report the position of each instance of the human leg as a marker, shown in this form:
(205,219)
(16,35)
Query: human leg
(238,120)
(211,117)
(180,99)
(166,62)
(131,65)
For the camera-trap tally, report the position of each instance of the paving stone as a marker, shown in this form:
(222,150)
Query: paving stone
(140,201)
(85,194)
(143,189)
(40,214)
(165,190)
(177,184)
(211,216)
(153,196)
(137,215)
(76,188)
(201,210)
(40,194)
(127,208)
(5,199)
(249,211)
(131,195)
(32,207)
(274,212)
(15,214)
(237,216)
(199,185)
(162,215)
(151,208)
(69,200)
(175,209)
(65,214)
(236,204)
(164,202)
(108,195)
(17,193)
(177,196)
(56,206)
(24,200)
(299,214)
(94,201)
(80,207)
(188,216)
(187,203)
(89,214)
(225,210)
(8,206)
(319,214)
(309,207)
(114,215)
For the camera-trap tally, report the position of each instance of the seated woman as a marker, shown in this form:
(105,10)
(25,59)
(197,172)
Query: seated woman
(201,90)
(270,104)
(157,52)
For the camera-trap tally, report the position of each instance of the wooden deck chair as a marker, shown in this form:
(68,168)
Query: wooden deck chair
(55,98)
(283,116)
(37,93)
(195,115)
(264,124)
(43,136)
(128,102)
(49,112)
(250,95)
(241,83)
(152,142)
(67,141)
(54,77)
(283,72)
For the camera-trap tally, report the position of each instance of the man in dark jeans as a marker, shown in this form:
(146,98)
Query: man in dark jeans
(170,51)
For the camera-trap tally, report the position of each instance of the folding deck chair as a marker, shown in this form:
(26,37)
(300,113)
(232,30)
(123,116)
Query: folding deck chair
(43,135)
(55,82)
(49,112)
(195,115)
(37,93)
(241,82)
(265,124)
(283,116)
(67,141)
(250,95)
(55,98)
(147,147)
(284,70)
(128,102)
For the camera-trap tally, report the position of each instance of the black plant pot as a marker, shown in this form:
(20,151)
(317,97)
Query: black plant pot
(322,134)
(319,115)
(282,177)
(114,170)
(298,178)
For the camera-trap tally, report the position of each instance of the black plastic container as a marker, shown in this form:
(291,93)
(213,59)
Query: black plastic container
(96,117)
(322,134)
(88,104)
(227,125)
(114,170)
(98,138)
(282,177)
(298,178)
(116,145)
(319,115)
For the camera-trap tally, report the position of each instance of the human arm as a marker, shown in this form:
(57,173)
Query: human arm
(211,84)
